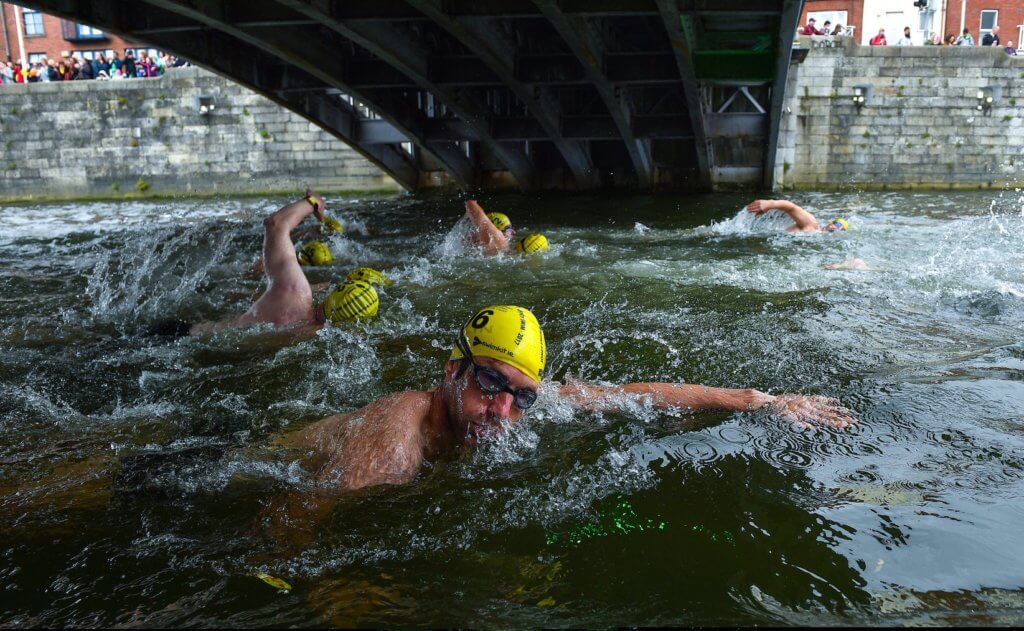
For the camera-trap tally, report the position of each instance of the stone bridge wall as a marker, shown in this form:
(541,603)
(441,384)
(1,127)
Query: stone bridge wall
(919,128)
(108,138)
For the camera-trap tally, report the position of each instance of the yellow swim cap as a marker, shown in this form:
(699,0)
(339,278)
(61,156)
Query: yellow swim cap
(508,334)
(369,275)
(315,253)
(500,220)
(842,222)
(332,225)
(354,300)
(532,243)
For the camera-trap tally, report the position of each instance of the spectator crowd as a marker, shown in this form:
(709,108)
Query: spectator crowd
(101,67)
(991,39)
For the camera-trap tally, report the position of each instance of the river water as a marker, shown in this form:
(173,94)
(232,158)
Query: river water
(135,471)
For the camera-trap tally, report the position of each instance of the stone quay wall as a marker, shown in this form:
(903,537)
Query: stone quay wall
(919,126)
(84,139)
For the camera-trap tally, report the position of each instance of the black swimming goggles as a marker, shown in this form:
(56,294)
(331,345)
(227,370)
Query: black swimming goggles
(491,381)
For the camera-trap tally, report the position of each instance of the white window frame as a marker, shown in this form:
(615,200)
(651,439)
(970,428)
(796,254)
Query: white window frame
(34,57)
(25,14)
(981,20)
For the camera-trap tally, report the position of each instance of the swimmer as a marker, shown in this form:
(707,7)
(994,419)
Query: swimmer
(487,233)
(490,381)
(803,221)
(852,263)
(329,226)
(494,234)
(288,300)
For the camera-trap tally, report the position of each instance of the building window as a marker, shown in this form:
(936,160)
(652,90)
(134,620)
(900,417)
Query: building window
(74,32)
(92,54)
(33,22)
(988,20)
(88,32)
(36,58)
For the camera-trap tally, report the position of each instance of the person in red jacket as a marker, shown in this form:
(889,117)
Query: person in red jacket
(879,40)
(811,29)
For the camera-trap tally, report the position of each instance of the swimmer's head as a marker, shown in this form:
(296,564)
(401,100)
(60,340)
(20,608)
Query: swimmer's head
(354,300)
(503,223)
(315,253)
(369,275)
(331,225)
(837,224)
(494,371)
(532,243)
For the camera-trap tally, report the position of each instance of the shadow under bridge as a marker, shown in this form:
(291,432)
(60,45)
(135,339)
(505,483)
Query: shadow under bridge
(534,94)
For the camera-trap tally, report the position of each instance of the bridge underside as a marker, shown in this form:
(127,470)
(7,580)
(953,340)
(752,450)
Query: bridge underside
(535,94)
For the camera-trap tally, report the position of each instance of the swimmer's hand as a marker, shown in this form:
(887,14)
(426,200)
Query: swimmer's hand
(811,411)
(759,206)
(318,210)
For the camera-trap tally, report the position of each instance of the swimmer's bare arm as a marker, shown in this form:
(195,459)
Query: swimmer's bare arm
(803,221)
(487,235)
(381,443)
(800,409)
(278,250)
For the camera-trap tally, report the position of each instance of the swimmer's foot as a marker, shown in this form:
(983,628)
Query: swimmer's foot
(812,411)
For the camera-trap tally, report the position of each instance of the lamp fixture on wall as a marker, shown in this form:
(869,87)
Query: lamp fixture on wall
(860,95)
(205,105)
(986,97)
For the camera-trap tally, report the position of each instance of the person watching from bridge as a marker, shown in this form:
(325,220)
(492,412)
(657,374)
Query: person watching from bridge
(803,221)
(991,38)
(491,379)
(879,40)
(965,39)
(810,28)
(288,300)
(905,40)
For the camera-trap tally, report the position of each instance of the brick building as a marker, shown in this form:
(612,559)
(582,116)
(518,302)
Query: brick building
(27,34)
(979,15)
(939,16)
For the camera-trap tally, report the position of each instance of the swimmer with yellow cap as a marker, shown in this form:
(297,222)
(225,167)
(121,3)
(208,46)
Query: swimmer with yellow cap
(288,300)
(370,275)
(491,379)
(315,253)
(494,234)
(803,221)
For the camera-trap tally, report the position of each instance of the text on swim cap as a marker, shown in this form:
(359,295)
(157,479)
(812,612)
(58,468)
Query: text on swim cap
(478,342)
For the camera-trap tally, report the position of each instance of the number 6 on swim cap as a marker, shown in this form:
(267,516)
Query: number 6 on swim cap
(508,334)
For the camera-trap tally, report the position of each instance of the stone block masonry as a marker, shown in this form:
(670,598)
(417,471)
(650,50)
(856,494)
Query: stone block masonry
(109,138)
(920,126)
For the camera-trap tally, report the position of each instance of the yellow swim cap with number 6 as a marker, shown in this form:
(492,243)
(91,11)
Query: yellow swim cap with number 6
(508,334)
(354,300)
(369,275)
(532,243)
(500,220)
(315,253)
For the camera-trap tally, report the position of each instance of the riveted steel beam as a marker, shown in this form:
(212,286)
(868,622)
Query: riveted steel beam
(477,35)
(585,43)
(410,60)
(683,51)
(313,54)
(791,11)
(249,66)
